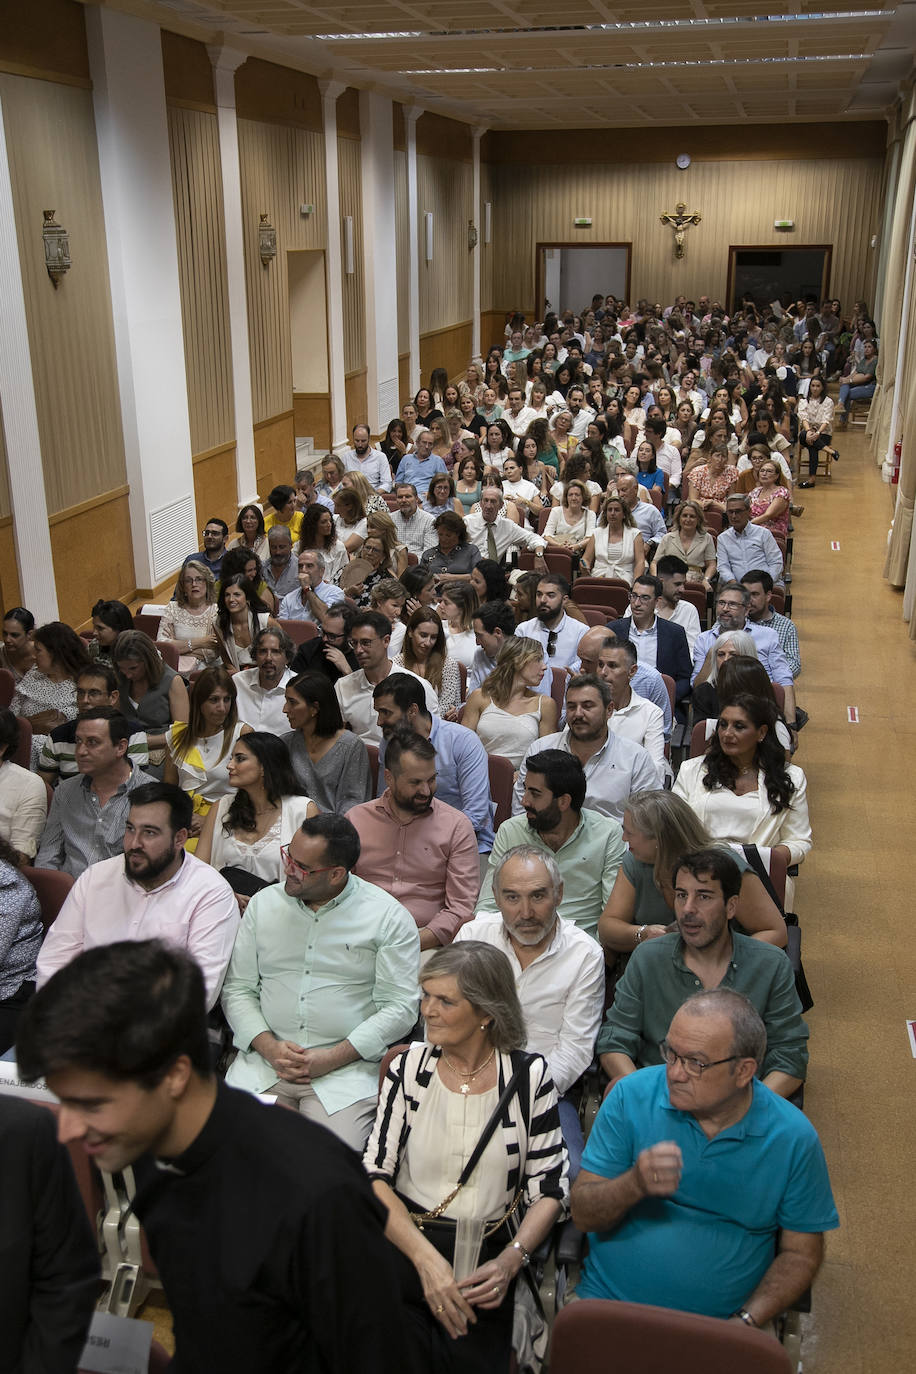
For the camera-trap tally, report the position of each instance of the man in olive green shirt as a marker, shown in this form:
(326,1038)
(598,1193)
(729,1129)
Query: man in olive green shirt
(587,846)
(705,954)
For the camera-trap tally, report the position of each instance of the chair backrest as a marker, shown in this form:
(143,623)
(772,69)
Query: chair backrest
(779,692)
(595,594)
(778,600)
(594,615)
(299,631)
(147,624)
(715,521)
(169,653)
(390,1054)
(657,497)
(23,754)
(697,597)
(463,679)
(52,888)
(543,517)
(372,751)
(502,780)
(657,1340)
(699,739)
(7,688)
(672,688)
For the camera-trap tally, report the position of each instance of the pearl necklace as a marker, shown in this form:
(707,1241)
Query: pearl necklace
(465,1087)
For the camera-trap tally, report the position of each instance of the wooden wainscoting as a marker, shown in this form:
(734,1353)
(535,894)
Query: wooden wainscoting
(274,452)
(10,592)
(215,484)
(312,417)
(93,554)
(357,400)
(493,329)
(449,348)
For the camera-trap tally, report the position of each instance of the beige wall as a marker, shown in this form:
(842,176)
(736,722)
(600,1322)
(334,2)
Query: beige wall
(402,247)
(354,303)
(445,186)
(308,317)
(834,202)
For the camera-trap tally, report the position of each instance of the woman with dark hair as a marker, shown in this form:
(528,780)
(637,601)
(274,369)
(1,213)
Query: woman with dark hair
(563,378)
(23,800)
(189,620)
(251,531)
(471,419)
(469,475)
(440,496)
(736,669)
(742,788)
(240,613)
(109,618)
(395,443)
(198,751)
(424,652)
(453,555)
(247,562)
(319,532)
(151,692)
(21,934)
(426,411)
(244,831)
(330,762)
(457,605)
(438,385)
(498,444)
(17,654)
(350,519)
(488,578)
(46,694)
(284,512)
(648,473)
(438,1101)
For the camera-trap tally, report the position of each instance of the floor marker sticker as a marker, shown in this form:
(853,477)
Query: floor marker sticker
(852,715)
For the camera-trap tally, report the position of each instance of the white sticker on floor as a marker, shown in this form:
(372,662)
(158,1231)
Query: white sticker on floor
(852,715)
(911,1032)
(835,545)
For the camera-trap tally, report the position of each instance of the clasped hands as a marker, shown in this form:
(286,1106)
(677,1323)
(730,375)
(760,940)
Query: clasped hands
(293,1063)
(452,1303)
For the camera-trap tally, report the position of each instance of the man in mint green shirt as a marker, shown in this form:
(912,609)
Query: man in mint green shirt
(587,846)
(324,977)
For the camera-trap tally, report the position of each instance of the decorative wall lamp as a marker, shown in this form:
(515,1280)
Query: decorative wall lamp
(267,240)
(348,245)
(472,234)
(57,247)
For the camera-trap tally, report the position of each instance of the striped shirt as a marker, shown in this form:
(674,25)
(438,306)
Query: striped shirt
(79,831)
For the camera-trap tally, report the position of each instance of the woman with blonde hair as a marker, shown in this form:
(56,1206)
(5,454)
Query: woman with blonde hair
(350,519)
(359,482)
(616,547)
(473,381)
(442,439)
(189,620)
(151,692)
(458,603)
(380,524)
(199,750)
(424,652)
(506,710)
(689,539)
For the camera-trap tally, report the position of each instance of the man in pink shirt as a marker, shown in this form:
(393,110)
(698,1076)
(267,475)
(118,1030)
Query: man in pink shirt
(154,890)
(419,850)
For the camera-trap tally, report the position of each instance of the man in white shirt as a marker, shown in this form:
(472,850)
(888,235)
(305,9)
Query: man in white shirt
(371,462)
(648,517)
(581,413)
(414,526)
(495,535)
(313,596)
(633,716)
(671,571)
(261,690)
(155,890)
(558,970)
(667,457)
(517,415)
(552,627)
(369,636)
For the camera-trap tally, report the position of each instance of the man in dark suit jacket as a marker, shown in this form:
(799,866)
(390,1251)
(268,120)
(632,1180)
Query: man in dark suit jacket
(650,632)
(50,1260)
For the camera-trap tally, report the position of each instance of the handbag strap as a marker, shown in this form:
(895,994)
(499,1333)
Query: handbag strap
(752,854)
(521,1068)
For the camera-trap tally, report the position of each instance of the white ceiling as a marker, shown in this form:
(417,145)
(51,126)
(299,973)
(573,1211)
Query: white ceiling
(584,63)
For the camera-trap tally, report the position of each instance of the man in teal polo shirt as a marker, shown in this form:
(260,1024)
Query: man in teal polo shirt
(700,1188)
(662,973)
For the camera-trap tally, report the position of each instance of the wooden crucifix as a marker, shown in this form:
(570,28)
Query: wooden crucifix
(680,222)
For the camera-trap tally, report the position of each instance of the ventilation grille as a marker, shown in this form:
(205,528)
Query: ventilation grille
(388,400)
(173,535)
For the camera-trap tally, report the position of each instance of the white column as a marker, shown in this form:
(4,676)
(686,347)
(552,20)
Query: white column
(380,266)
(125,56)
(20,417)
(330,90)
(475,251)
(893,433)
(226,62)
(411,115)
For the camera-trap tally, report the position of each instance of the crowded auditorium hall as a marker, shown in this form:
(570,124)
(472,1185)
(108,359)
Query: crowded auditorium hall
(447,823)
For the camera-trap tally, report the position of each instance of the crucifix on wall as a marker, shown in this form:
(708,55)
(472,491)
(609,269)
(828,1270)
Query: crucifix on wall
(680,222)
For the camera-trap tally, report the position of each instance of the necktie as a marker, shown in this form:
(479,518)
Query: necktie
(491,544)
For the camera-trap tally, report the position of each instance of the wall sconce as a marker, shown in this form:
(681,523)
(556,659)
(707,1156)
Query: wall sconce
(428,217)
(487,220)
(472,234)
(267,240)
(57,247)
(348,244)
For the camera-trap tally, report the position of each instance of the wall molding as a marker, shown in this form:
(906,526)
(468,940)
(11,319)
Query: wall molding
(201,106)
(209,453)
(71,512)
(446,329)
(42,74)
(272,419)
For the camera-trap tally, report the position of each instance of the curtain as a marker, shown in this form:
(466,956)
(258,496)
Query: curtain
(879,419)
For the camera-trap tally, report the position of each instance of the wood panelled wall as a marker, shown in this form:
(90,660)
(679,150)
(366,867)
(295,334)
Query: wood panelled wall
(354,300)
(832,201)
(198,195)
(402,246)
(445,187)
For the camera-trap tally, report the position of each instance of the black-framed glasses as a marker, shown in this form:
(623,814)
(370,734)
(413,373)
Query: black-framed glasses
(552,642)
(642,598)
(694,1068)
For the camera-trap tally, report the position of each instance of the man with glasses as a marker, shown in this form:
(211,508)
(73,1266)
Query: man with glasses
(215,534)
(322,979)
(663,971)
(420,467)
(701,1189)
(95,686)
(732,602)
(369,639)
(744,546)
(329,652)
(552,627)
(659,643)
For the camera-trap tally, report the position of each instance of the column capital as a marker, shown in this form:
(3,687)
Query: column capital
(478,131)
(225,62)
(330,90)
(412,113)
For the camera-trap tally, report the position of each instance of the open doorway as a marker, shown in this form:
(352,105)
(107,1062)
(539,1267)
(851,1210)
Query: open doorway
(569,274)
(308,330)
(784,274)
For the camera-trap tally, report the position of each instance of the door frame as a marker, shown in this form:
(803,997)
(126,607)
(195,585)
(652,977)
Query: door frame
(733,248)
(540,275)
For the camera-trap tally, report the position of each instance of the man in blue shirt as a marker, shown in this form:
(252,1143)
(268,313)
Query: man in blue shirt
(420,467)
(701,1189)
(462,776)
(732,601)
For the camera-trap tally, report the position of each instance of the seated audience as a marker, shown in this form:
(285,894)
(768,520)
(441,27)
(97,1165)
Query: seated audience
(744,545)
(21,934)
(860,384)
(155,889)
(373,551)
(417,468)
(760,611)
(88,813)
(316,1041)
(281,570)
(370,634)
(690,540)
(770,500)
(424,652)
(633,716)
(616,547)
(457,605)
(189,620)
(240,614)
(96,685)
(419,849)
(441,498)
(314,595)
(246,562)
(332,473)
(658,642)
(389,598)
(23,796)
(672,605)
(570,523)
(587,846)
(552,627)
(199,749)
(17,653)
(732,603)
(648,519)
(251,531)
(646,682)
(493,623)
(329,651)
(331,763)
(260,692)
(710,483)
(507,711)
(475,1031)
(495,534)
(414,526)
(367,461)
(215,534)
(46,694)
(244,832)
(452,556)
(109,618)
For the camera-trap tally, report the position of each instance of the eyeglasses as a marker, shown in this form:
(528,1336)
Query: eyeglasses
(292,867)
(730,605)
(694,1068)
(640,598)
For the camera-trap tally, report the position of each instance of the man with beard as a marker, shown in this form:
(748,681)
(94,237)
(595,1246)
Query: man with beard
(614,766)
(558,970)
(588,847)
(261,690)
(662,973)
(314,596)
(422,852)
(155,889)
(371,462)
(552,627)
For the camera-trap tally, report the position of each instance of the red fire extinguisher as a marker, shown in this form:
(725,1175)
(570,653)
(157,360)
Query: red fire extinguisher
(895,475)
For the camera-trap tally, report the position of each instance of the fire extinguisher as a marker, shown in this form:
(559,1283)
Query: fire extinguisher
(895,475)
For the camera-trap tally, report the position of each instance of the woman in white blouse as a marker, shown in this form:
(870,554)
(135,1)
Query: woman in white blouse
(457,608)
(570,524)
(743,789)
(815,426)
(249,826)
(23,795)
